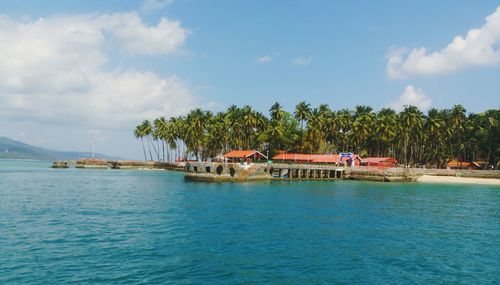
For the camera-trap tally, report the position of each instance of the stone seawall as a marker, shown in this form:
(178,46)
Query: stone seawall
(226,172)
(221,172)
(381,174)
(394,174)
(124,164)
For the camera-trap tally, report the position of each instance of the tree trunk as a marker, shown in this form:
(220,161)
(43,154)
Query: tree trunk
(153,145)
(489,149)
(144,149)
(163,149)
(149,149)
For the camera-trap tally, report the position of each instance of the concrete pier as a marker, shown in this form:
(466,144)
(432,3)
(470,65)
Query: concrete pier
(306,172)
(89,163)
(219,172)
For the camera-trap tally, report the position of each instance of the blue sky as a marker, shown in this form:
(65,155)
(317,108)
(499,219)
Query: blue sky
(212,54)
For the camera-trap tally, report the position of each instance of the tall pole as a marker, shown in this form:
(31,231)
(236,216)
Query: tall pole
(93,147)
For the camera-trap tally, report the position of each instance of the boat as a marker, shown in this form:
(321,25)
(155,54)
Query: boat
(60,164)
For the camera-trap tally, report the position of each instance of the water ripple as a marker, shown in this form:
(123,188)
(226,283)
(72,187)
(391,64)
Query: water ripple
(140,227)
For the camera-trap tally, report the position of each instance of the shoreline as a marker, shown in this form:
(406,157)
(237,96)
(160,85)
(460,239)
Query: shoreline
(234,172)
(457,180)
(225,172)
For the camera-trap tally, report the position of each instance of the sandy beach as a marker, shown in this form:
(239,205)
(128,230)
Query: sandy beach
(458,180)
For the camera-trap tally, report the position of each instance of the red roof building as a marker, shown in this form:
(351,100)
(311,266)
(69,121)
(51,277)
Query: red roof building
(463,165)
(244,155)
(379,161)
(317,158)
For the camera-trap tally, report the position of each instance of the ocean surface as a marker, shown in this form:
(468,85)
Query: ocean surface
(70,226)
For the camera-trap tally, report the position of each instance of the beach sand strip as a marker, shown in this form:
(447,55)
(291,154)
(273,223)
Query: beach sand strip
(458,180)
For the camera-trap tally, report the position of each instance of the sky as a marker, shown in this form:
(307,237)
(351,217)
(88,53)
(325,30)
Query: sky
(75,71)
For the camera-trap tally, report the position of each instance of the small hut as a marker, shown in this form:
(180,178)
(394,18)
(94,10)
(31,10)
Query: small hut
(337,159)
(379,161)
(244,156)
(463,165)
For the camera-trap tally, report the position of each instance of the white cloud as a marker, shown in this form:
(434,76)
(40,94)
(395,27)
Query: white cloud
(57,69)
(264,59)
(480,47)
(153,5)
(130,34)
(302,61)
(414,97)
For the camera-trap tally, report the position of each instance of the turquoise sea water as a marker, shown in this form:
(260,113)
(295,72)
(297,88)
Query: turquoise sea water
(150,227)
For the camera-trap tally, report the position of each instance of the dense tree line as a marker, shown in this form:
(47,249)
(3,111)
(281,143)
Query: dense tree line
(411,136)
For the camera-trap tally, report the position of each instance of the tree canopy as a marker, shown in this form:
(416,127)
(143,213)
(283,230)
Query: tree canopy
(412,137)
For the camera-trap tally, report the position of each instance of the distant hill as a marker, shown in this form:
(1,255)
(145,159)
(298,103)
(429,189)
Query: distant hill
(12,149)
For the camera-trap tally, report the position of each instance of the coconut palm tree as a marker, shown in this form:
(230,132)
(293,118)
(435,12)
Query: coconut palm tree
(362,126)
(147,129)
(195,132)
(276,112)
(178,133)
(302,113)
(458,117)
(434,127)
(139,133)
(249,123)
(409,136)
(491,122)
(344,125)
(386,129)
(158,136)
(162,127)
(411,123)
(315,127)
(274,132)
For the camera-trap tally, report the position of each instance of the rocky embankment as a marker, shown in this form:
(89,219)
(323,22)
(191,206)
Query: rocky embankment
(90,163)
(395,174)
(220,172)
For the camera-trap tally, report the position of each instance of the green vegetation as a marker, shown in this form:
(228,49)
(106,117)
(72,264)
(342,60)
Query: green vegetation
(412,137)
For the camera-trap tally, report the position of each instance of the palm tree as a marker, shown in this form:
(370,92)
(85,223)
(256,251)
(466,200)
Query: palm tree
(158,135)
(409,136)
(276,112)
(302,113)
(458,117)
(139,133)
(411,122)
(361,110)
(386,129)
(315,129)
(170,138)
(330,129)
(195,132)
(344,125)
(147,129)
(249,123)
(434,128)
(491,122)
(362,125)
(325,113)
(275,131)
(178,133)
(162,127)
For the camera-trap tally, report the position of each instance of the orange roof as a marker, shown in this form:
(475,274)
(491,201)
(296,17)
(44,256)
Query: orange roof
(455,163)
(379,159)
(242,154)
(326,158)
(314,158)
